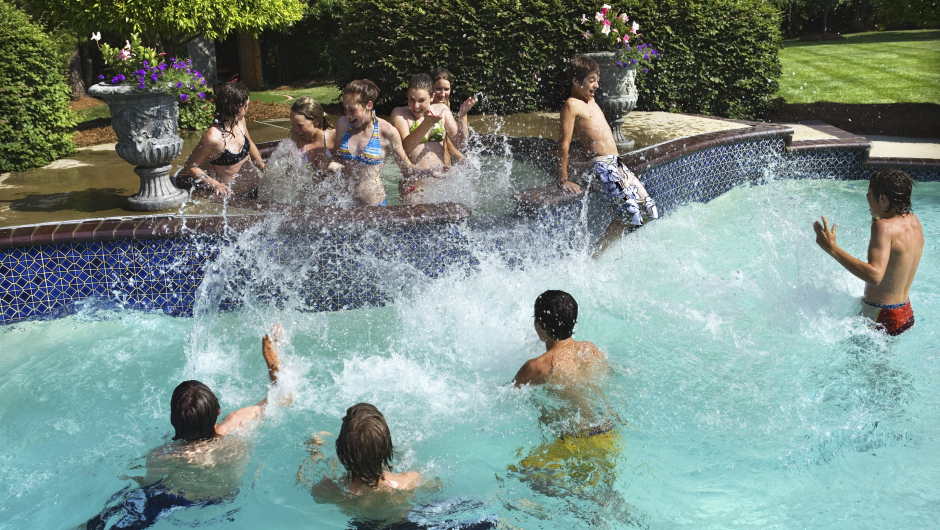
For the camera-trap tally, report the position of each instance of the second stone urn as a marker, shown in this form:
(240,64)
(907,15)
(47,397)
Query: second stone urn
(616,96)
(145,122)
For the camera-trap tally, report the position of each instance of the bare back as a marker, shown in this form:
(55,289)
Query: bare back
(900,241)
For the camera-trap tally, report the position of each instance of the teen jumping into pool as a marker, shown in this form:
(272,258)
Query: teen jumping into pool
(582,117)
(897,242)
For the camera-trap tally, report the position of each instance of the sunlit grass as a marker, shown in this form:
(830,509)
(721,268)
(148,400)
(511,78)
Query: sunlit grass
(325,94)
(882,67)
(92,113)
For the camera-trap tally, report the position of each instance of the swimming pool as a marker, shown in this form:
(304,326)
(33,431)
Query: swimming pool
(750,392)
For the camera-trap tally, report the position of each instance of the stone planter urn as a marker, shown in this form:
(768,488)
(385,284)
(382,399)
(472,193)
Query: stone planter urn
(616,96)
(146,126)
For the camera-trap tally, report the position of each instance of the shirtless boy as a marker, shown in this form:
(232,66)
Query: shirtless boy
(897,242)
(202,465)
(581,116)
(556,313)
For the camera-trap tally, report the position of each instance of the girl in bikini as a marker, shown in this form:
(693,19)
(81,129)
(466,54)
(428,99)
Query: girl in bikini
(361,152)
(226,146)
(312,132)
(423,126)
(443,80)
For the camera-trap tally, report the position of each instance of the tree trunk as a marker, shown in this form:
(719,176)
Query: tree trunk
(75,75)
(88,62)
(826,18)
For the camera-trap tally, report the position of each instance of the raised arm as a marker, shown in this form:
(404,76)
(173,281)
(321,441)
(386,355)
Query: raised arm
(567,118)
(392,141)
(209,146)
(453,129)
(462,115)
(879,250)
(269,349)
(253,152)
(410,140)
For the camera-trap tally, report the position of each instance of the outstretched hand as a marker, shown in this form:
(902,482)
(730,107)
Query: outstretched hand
(466,106)
(270,345)
(825,237)
(570,187)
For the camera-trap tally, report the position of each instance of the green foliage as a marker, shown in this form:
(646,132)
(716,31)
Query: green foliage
(910,13)
(303,51)
(35,123)
(718,56)
(197,113)
(169,22)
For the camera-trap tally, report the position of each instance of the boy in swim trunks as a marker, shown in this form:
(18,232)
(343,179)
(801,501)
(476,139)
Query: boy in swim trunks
(897,242)
(581,116)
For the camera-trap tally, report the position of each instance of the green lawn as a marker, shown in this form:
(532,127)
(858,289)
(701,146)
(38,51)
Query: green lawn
(882,67)
(325,94)
(92,113)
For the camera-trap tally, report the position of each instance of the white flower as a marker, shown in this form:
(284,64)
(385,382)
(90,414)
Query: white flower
(96,36)
(583,18)
(606,29)
(599,16)
(636,27)
(624,18)
(605,6)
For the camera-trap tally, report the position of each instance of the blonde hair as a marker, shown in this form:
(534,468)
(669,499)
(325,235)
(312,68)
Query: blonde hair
(311,109)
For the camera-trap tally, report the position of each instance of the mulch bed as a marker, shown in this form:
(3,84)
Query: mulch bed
(918,120)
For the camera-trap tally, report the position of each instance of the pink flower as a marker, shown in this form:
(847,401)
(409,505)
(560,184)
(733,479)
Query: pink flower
(605,9)
(583,18)
(623,18)
(626,39)
(125,54)
(635,28)
(599,17)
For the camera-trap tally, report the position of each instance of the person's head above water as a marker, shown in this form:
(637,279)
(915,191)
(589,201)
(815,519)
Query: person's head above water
(229,102)
(556,312)
(311,109)
(582,66)
(364,444)
(362,91)
(895,186)
(193,411)
(443,81)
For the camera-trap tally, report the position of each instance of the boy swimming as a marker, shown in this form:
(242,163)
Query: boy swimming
(897,242)
(581,116)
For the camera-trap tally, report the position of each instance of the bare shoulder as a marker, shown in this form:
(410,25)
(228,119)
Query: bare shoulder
(398,112)
(387,130)
(590,351)
(407,480)
(534,370)
(573,106)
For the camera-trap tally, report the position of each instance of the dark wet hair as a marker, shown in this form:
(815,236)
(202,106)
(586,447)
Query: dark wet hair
(228,101)
(364,90)
(443,73)
(193,411)
(557,313)
(422,82)
(311,109)
(581,66)
(896,185)
(364,444)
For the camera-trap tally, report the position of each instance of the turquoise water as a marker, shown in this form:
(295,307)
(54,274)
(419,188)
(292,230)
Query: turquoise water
(751,395)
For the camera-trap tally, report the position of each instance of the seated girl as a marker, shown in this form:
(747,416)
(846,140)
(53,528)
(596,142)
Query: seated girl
(218,161)
(424,126)
(442,87)
(361,152)
(299,164)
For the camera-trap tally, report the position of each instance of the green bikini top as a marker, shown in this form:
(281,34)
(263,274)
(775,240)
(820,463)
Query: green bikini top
(435,135)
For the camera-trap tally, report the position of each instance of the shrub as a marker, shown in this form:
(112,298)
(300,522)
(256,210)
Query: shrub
(35,123)
(197,113)
(718,56)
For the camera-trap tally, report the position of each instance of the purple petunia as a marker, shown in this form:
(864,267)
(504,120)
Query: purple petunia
(202,95)
(184,97)
(100,77)
(179,84)
(153,78)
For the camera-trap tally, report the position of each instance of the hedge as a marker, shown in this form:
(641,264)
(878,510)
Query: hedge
(719,56)
(35,122)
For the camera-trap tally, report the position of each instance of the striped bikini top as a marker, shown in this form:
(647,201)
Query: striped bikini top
(372,154)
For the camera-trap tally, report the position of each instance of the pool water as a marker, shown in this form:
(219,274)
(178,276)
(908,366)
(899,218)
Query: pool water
(748,391)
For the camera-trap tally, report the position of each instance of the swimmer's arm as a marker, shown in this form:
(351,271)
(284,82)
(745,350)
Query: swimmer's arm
(462,115)
(253,149)
(393,140)
(531,373)
(566,120)
(452,151)
(879,250)
(409,140)
(453,131)
(209,147)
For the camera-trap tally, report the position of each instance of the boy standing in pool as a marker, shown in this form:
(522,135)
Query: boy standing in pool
(897,242)
(581,116)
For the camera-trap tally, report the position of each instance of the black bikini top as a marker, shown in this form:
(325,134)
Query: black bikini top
(228,158)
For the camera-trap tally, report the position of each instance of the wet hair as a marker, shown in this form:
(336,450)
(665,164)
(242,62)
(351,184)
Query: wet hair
(364,444)
(229,100)
(896,185)
(364,90)
(311,109)
(582,66)
(422,82)
(557,313)
(443,73)
(193,411)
